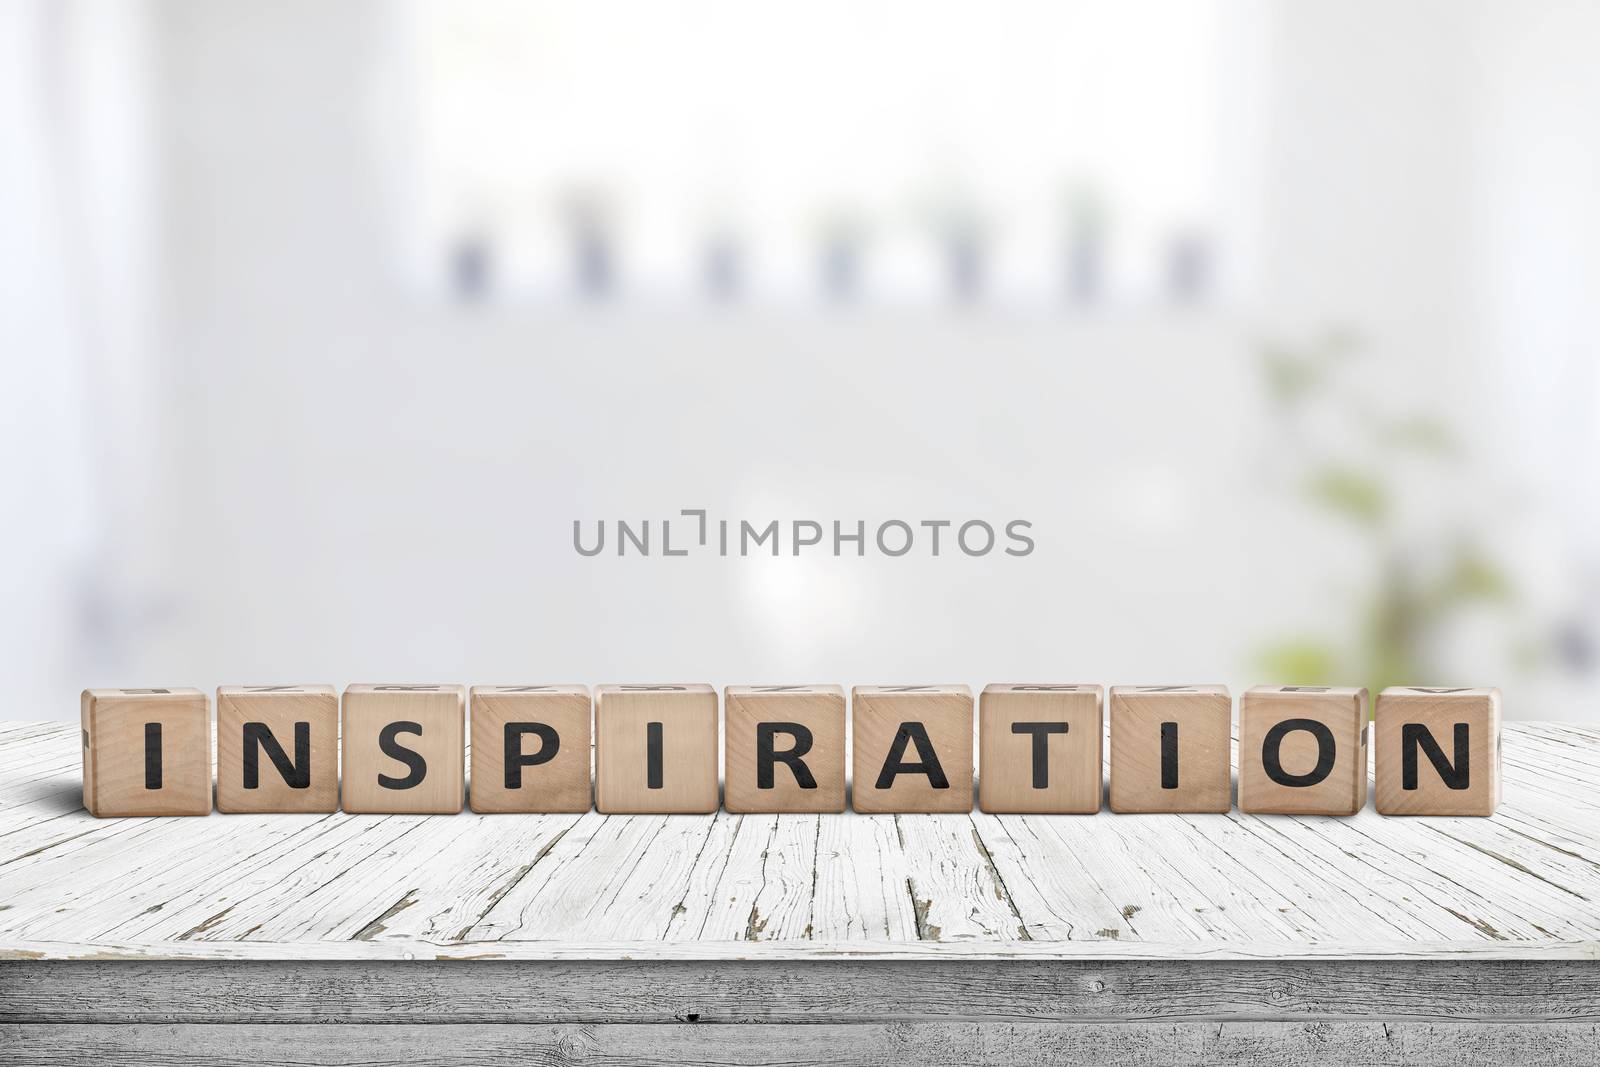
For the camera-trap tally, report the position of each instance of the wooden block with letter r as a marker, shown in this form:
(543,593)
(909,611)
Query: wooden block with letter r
(1303,750)
(784,748)
(277,748)
(655,749)
(912,749)
(404,749)
(1039,748)
(146,752)
(1170,748)
(1437,751)
(530,748)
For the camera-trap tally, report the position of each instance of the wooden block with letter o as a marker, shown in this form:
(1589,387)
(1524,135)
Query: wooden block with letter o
(146,752)
(1303,750)
(530,748)
(404,749)
(277,748)
(655,749)
(912,748)
(784,748)
(1170,748)
(1437,751)
(1039,748)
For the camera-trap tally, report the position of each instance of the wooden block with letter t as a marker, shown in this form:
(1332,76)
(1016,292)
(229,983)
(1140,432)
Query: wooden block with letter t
(655,749)
(1437,751)
(404,749)
(784,748)
(277,748)
(1303,750)
(1170,748)
(1039,748)
(146,752)
(912,748)
(530,748)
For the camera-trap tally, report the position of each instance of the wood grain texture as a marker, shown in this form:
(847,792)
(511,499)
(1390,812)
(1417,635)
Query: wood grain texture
(404,749)
(1009,772)
(1461,730)
(911,748)
(281,710)
(146,751)
(816,709)
(1198,719)
(550,723)
(1303,750)
(683,720)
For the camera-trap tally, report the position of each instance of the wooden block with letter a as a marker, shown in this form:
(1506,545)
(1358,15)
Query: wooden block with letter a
(784,748)
(1303,750)
(1437,751)
(146,752)
(1170,748)
(530,748)
(912,749)
(1039,748)
(655,749)
(404,749)
(277,748)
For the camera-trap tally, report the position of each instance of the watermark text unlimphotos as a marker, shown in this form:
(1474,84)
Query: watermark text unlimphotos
(693,532)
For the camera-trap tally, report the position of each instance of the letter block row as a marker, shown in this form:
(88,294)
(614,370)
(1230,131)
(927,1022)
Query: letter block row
(1302,749)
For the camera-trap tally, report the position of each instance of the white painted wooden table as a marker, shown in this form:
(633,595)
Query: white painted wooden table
(345,939)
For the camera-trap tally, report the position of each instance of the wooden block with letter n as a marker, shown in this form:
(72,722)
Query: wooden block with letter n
(277,748)
(912,748)
(1039,748)
(1170,748)
(146,752)
(1437,751)
(784,748)
(1303,750)
(530,748)
(655,749)
(404,749)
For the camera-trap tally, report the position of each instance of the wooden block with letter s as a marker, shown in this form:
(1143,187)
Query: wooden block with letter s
(1039,748)
(530,748)
(1303,750)
(404,749)
(146,751)
(277,748)
(1170,748)
(912,749)
(655,749)
(1437,751)
(784,748)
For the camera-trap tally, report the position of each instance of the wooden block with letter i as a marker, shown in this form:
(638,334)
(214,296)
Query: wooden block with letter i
(404,749)
(277,748)
(146,752)
(1170,748)
(1437,751)
(655,749)
(530,748)
(912,748)
(784,748)
(1303,750)
(1039,748)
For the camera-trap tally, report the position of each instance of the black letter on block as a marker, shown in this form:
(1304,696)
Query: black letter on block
(258,736)
(1272,752)
(652,756)
(767,757)
(1169,755)
(1414,735)
(152,755)
(1041,732)
(515,759)
(928,762)
(394,750)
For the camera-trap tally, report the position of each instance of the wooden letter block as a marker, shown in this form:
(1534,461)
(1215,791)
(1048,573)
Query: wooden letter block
(530,748)
(784,748)
(1170,748)
(655,749)
(1303,750)
(913,748)
(404,749)
(1438,751)
(146,752)
(1039,748)
(277,748)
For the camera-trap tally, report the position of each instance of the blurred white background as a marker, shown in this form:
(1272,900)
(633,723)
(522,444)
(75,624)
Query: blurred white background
(322,323)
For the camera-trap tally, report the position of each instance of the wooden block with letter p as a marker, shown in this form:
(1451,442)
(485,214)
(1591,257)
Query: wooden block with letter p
(404,749)
(1303,750)
(146,752)
(277,748)
(1039,748)
(530,748)
(784,748)
(912,748)
(1437,751)
(1170,748)
(655,749)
